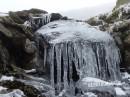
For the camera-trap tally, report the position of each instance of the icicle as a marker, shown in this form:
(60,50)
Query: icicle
(70,56)
(52,67)
(46,18)
(45,55)
(65,62)
(58,59)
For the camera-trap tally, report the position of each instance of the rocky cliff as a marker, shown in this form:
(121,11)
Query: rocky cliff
(117,23)
(121,2)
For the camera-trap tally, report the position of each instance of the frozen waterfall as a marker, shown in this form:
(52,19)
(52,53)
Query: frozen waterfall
(77,50)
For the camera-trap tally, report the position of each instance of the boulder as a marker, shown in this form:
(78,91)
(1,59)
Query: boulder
(55,16)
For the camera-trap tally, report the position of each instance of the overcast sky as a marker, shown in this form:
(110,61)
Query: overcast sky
(50,5)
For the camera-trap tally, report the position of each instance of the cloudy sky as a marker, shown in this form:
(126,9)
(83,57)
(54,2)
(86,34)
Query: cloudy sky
(49,5)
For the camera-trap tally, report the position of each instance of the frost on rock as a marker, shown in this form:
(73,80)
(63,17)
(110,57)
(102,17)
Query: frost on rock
(78,50)
(121,12)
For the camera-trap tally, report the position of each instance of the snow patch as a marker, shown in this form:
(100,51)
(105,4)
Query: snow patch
(119,91)
(94,82)
(125,75)
(7,78)
(30,71)
(89,94)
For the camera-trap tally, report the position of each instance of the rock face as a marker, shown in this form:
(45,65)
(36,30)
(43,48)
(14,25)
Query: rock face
(17,43)
(117,23)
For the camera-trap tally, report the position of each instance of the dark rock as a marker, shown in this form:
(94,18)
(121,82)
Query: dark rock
(16,18)
(4,58)
(25,14)
(94,21)
(64,18)
(28,90)
(5,31)
(55,16)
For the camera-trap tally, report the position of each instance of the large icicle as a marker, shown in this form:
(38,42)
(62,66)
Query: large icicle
(77,51)
(58,59)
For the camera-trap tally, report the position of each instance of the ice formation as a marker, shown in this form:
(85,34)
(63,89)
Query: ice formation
(38,21)
(78,50)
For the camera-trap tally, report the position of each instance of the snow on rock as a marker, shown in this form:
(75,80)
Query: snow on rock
(89,94)
(125,75)
(119,91)
(121,11)
(5,78)
(94,82)
(30,71)
(14,93)
(2,88)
